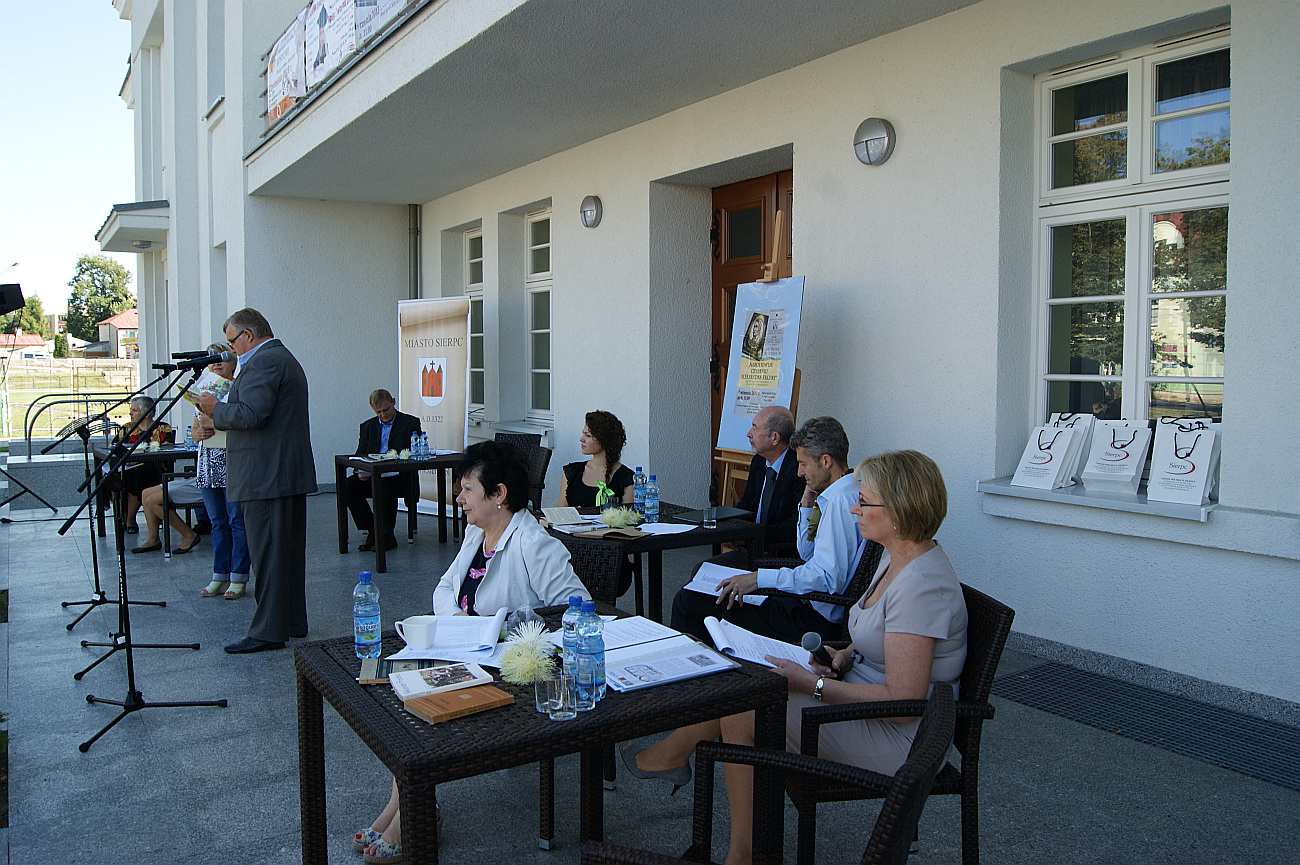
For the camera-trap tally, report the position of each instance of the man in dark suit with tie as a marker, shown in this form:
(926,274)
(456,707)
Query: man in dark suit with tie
(388,430)
(269,471)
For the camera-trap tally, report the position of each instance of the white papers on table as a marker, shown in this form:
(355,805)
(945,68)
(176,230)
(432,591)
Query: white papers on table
(460,638)
(579,527)
(706,581)
(629,631)
(734,641)
(669,660)
(564,517)
(666,528)
(442,452)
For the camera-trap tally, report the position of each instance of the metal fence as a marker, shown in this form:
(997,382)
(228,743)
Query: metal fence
(62,390)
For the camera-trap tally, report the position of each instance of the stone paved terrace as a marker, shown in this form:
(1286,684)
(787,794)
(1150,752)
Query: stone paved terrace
(210,785)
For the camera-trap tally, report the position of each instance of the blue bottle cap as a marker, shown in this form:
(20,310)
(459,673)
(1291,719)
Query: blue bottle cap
(575,600)
(589,606)
(363,577)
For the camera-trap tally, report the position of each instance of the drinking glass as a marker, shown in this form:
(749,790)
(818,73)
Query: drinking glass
(562,697)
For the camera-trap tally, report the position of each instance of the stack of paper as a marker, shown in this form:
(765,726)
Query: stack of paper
(709,576)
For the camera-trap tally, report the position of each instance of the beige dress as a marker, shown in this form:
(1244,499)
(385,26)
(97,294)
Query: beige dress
(925,598)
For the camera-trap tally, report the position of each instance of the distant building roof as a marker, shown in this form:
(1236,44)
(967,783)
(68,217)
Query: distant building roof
(125,318)
(9,340)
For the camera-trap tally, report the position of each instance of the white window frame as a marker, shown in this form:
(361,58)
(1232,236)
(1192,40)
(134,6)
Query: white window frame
(1135,198)
(538,283)
(474,291)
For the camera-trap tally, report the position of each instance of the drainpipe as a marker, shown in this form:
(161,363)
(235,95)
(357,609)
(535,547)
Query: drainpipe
(413,251)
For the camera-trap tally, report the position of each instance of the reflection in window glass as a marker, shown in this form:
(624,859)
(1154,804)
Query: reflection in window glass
(1101,398)
(541,396)
(1170,399)
(745,233)
(1088,259)
(1090,160)
(1086,338)
(1193,140)
(1190,250)
(1090,105)
(1187,336)
(1193,82)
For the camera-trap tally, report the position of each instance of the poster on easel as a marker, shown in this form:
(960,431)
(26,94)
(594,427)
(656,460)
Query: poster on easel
(433,373)
(764,353)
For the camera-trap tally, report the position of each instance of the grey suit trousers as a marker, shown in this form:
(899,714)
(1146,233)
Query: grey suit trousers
(277,545)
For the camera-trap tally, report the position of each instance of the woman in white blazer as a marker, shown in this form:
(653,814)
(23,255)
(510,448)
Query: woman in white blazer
(506,560)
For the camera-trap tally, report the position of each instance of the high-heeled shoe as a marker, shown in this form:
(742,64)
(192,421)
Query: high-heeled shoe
(679,777)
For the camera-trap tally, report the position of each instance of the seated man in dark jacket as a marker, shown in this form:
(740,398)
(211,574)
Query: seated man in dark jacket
(389,429)
(774,486)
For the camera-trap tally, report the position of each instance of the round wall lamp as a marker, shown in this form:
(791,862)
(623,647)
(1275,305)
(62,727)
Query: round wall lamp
(874,141)
(141,244)
(590,211)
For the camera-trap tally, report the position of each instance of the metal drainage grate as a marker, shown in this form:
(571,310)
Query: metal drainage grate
(1252,746)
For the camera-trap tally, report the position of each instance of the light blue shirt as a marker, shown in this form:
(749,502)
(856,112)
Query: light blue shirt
(835,552)
(384,430)
(248,355)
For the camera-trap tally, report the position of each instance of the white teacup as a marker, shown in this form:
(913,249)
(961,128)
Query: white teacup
(418,631)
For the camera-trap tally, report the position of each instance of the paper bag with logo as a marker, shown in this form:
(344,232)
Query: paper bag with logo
(1046,463)
(1081,423)
(1116,457)
(1184,461)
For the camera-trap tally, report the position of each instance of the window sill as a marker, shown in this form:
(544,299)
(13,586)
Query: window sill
(1266,533)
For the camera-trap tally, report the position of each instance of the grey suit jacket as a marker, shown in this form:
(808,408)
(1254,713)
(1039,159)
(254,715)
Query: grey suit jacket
(268,443)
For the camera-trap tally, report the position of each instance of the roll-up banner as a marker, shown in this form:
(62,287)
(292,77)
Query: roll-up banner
(433,373)
(764,350)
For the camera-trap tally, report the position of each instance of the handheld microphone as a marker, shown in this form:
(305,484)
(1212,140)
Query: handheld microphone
(812,644)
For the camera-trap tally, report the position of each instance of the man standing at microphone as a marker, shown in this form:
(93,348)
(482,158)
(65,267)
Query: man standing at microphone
(270,470)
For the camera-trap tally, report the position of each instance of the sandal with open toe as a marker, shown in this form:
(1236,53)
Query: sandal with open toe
(385,853)
(215,588)
(235,592)
(365,838)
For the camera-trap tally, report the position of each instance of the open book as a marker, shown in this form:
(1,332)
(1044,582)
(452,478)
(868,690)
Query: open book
(736,642)
(409,684)
(659,662)
(460,638)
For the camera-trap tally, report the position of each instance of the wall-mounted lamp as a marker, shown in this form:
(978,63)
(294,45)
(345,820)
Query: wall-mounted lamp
(874,141)
(590,211)
(141,244)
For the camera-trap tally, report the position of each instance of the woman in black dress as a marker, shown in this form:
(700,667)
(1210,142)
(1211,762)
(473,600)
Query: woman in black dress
(602,475)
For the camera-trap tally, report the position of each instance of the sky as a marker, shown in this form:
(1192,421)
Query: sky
(66,152)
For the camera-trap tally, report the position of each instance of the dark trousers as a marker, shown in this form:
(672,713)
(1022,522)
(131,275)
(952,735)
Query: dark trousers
(784,619)
(355,494)
(277,545)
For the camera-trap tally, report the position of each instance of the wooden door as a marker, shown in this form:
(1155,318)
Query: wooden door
(744,219)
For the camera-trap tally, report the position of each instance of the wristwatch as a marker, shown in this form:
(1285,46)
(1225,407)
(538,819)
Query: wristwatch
(817,690)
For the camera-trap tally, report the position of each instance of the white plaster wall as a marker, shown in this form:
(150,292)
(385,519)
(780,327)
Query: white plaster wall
(915,324)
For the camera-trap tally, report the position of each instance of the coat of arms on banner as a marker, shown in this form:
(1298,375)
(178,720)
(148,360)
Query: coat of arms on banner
(432,373)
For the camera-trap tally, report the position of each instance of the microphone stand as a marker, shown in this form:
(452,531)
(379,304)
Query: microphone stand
(121,640)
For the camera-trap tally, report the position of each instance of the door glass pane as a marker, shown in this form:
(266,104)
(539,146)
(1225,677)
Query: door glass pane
(541,319)
(1169,399)
(476,318)
(476,388)
(541,358)
(541,397)
(1090,160)
(745,233)
(476,352)
(540,232)
(1088,259)
(475,272)
(476,246)
(1193,82)
(539,260)
(1190,250)
(1086,339)
(1090,105)
(1101,398)
(1187,336)
(1197,139)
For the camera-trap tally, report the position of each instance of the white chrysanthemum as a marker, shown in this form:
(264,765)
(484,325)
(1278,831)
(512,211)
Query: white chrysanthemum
(619,517)
(528,655)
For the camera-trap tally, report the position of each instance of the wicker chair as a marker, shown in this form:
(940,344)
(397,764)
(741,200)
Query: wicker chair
(539,460)
(852,594)
(904,793)
(986,635)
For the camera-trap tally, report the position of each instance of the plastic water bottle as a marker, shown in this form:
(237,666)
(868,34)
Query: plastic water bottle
(415,445)
(652,500)
(365,617)
(591,657)
(570,625)
(638,491)
(424,445)
(189,438)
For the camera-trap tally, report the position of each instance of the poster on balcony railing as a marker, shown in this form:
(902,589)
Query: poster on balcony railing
(433,372)
(374,15)
(284,71)
(764,348)
(330,35)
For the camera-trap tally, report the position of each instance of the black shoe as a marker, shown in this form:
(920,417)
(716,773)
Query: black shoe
(391,543)
(203,527)
(248,645)
(298,636)
(367,545)
(148,548)
(180,551)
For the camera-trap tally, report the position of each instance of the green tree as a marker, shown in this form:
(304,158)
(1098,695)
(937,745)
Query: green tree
(60,345)
(31,318)
(99,290)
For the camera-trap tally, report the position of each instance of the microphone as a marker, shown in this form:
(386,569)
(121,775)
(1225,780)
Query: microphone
(187,355)
(208,359)
(812,644)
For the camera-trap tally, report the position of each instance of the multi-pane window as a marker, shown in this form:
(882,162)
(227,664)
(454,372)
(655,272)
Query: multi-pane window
(1133,234)
(474,290)
(538,287)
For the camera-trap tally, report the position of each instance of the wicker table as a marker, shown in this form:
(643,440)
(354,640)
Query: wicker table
(421,755)
(728,531)
(441,463)
(171,454)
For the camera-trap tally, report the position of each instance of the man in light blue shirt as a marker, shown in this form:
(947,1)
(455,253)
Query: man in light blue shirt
(822,450)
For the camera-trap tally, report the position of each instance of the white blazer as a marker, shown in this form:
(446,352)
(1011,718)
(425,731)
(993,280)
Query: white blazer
(529,567)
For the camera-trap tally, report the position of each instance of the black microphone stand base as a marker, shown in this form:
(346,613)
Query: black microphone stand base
(134,702)
(23,488)
(99,599)
(120,643)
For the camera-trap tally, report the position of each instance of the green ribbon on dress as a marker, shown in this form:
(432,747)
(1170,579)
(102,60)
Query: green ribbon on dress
(603,494)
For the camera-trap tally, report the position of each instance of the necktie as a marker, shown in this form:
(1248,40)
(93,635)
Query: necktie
(765,498)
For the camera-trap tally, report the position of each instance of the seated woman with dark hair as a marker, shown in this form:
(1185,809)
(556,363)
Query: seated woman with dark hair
(909,631)
(587,484)
(505,560)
